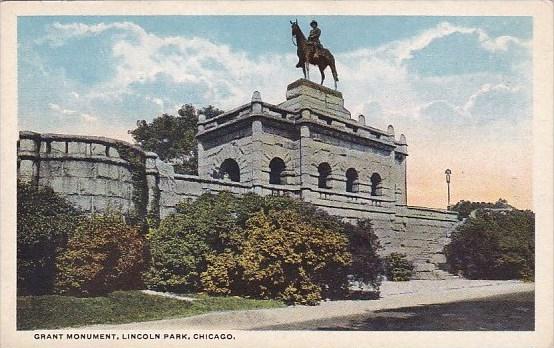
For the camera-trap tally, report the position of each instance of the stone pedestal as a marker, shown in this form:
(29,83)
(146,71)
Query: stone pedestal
(305,94)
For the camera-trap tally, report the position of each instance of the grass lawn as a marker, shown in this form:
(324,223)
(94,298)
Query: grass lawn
(53,311)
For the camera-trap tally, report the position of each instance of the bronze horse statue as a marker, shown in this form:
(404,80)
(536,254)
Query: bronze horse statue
(305,51)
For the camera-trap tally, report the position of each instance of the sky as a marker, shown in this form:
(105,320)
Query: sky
(459,88)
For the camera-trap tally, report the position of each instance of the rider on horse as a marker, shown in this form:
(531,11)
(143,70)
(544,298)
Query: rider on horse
(313,39)
(310,51)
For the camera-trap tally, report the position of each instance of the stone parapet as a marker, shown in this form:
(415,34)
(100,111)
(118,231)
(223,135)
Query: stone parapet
(90,171)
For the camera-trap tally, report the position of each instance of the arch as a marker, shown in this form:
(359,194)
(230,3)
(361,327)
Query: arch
(276,169)
(229,170)
(324,170)
(352,180)
(376,187)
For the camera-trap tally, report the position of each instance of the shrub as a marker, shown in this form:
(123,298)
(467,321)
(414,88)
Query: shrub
(44,221)
(176,252)
(104,254)
(282,257)
(494,245)
(398,268)
(367,266)
(208,237)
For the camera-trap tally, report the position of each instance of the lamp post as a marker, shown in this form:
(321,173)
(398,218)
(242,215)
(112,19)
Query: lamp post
(448,172)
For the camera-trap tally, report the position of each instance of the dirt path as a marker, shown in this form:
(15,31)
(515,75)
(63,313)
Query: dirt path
(394,295)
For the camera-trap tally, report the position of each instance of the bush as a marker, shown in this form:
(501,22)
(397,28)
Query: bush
(104,254)
(177,253)
(201,248)
(494,245)
(281,257)
(367,266)
(44,222)
(398,268)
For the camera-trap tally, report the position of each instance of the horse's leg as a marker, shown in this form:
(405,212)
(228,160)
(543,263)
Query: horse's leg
(304,69)
(307,65)
(322,71)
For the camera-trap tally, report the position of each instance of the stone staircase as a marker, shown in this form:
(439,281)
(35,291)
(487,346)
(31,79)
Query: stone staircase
(425,270)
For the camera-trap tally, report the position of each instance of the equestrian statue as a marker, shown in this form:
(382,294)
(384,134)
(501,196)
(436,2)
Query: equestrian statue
(310,51)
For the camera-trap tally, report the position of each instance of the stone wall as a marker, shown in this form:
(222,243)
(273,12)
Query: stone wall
(98,173)
(94,173)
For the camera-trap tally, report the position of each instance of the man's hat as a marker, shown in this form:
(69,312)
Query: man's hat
(313,22)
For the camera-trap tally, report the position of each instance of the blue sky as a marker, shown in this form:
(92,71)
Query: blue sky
(457,86)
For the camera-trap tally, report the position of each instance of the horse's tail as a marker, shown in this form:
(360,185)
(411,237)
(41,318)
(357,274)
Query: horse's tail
(333,68)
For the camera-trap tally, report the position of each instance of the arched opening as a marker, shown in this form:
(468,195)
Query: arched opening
(324,170)
(351,180)
(376,184)
(276,169)
(229,170)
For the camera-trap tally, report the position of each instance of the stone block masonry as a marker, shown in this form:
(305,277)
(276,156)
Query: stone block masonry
(307,147)
(88,171)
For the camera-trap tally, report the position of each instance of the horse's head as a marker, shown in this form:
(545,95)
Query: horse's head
(295,28)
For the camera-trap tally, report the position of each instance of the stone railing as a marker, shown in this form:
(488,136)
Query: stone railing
(94,173)
(348,200)
(278,190)
(427,213)
(254,108)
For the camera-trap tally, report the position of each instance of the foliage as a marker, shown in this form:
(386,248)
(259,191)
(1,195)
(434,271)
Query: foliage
(173,137)
(44,221)
(136,160)
(494,245)
(367,266)
(176,252)
(54,311)
(464,208)
(282,257)
(203,246)
(104,254)
(398,268)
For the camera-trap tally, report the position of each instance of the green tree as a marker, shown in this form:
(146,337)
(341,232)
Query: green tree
(464,208)
(173,137)
(494,245)
(44,222)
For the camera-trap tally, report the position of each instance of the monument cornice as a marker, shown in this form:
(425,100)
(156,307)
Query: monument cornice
(350,135)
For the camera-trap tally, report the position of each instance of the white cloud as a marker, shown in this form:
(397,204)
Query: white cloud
(59,33)
(59,109)
(402,50)
(155,100)
(88,118)
(54,107)
(487,89)
(442,111)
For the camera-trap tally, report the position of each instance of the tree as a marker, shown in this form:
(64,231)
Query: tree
(173,137)
(464,208)
(44,222)
(494,245)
